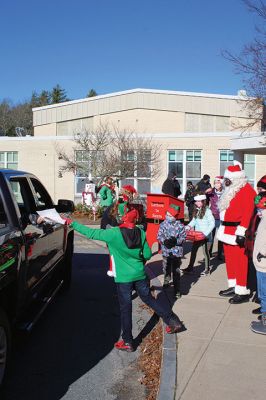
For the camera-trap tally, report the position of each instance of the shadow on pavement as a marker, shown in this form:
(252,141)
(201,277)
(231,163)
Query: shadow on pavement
(76,331)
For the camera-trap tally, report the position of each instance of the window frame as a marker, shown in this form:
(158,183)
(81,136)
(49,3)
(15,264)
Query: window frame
(184,162)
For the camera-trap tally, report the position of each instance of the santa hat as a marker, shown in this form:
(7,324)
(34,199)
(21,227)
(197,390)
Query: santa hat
(262,182)
(234,171)
(219,178)
(260,200)
(128,192)
(199,197)
(173,210)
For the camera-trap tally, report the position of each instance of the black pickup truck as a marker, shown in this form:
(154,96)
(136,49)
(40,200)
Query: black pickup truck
(35,259)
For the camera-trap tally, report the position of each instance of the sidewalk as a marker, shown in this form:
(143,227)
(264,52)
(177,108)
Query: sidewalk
(218,356)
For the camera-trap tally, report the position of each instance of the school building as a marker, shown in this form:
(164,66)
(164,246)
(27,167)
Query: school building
(198,133)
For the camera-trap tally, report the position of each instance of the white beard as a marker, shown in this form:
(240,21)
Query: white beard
(230,192)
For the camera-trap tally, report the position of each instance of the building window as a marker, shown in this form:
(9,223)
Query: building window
(186,164)
(249,167)
(206,123)
(87,162)
(137,168)
(9,159)
(71,128)
(227,158)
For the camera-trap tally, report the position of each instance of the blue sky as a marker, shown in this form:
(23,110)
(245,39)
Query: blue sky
(114,45)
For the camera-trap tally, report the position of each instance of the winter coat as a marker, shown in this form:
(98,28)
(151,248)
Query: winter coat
(202,186)
(205,224)
(189,197)
(106,196)
(172,229)
(260,245)
(128,250)
(214,197)
(170,186)
(239,211)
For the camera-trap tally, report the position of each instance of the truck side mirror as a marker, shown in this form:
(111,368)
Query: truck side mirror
(65,206)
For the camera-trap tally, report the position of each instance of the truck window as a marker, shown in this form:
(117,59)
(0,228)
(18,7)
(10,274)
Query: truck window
(23,195)
(42,198)
(3,216)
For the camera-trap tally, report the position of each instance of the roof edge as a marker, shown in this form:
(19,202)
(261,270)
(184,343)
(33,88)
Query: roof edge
(153,91)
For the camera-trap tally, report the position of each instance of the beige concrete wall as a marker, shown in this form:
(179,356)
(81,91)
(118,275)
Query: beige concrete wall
(144,121)
(45,130)
(41,159)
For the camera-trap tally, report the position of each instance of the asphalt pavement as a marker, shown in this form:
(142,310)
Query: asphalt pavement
(69,354)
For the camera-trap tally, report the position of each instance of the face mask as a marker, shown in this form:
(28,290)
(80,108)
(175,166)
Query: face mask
(170,218)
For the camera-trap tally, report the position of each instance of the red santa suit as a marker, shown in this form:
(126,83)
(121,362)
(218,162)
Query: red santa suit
(235,219)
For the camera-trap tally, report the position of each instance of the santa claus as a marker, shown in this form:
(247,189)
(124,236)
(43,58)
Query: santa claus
(236,207)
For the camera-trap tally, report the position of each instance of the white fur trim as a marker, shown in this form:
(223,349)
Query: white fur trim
(241,230)
(235,162)
(234,175)
(113,271)
(224,237)
(200,197)
(242,290)
(231,283)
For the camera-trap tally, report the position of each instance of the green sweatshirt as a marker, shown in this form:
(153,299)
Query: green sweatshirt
(106,196)
(128,263)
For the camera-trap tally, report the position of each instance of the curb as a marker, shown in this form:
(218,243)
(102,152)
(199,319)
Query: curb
(168,375)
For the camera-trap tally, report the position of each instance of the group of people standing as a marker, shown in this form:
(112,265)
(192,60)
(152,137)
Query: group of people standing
(237,213)
(231,206)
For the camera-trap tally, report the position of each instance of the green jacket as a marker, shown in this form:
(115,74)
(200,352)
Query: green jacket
(128,264)
(106,196)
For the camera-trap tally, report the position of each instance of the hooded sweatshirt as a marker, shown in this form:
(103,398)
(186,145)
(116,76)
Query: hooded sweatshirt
(128,249)
(260,245)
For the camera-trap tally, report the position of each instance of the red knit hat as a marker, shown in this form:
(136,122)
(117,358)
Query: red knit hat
(262,182)
(234,171)
(173,210)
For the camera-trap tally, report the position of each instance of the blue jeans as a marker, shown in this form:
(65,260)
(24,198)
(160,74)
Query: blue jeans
(124,291)
(261,284)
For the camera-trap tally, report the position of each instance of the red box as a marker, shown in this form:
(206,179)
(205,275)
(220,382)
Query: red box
(157,205)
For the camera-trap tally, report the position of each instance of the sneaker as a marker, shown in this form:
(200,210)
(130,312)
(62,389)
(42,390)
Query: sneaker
(256,311)
(173,329)
(206,272)
(121,345)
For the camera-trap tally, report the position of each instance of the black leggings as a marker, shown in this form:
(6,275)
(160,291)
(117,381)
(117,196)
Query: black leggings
(205,249)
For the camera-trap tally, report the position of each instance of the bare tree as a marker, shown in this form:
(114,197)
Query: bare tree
(111,151)
(251,63)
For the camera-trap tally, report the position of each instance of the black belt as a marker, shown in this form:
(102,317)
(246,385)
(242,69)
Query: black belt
(228,223)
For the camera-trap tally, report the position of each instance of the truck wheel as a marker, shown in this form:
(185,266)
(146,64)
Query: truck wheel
(5,338)
(67,267)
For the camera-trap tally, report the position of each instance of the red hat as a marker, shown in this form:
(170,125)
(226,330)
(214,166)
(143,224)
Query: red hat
(131,216)
(262,182)
(219,178)
(234,171)
(128,192)
(173,210)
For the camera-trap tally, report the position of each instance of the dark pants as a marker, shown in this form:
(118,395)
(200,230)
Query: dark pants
(124,291)
(220,244)
(171,265)
(196,245)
